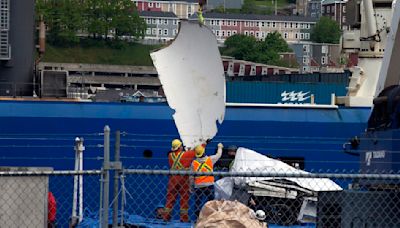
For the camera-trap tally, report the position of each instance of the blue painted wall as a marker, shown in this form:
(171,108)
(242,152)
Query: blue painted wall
(276,92)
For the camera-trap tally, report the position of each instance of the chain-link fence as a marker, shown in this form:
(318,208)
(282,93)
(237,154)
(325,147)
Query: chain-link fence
(40,197)
(156,198)
(249,189)
(277,198)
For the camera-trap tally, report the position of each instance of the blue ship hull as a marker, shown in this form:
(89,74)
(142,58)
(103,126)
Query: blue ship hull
(39,133)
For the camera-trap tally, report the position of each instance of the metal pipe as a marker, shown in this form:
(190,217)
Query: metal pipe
(116,178)
(42,36)
(81,148)
(315,106)
(266,174)
(75,191)
(106,176)
(122,198)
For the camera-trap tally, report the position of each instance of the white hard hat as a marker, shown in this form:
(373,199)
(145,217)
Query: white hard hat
(260,215)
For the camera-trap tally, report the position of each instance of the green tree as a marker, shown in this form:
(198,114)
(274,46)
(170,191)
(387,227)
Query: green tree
(274,42)
(63,18)
(99,18)
(126,20)
(242,47)
(326,31)
(248,48)
(270,47)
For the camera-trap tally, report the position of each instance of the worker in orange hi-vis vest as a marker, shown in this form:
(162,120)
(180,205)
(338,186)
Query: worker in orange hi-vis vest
(204,185)
(178,184)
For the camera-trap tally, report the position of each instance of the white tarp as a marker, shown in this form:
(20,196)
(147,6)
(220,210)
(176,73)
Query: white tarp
(192,75)
(250,161)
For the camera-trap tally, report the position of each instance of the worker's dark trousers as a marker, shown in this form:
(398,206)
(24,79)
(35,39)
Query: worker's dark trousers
(202,196)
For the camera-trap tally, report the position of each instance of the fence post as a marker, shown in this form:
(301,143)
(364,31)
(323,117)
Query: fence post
(80,192)
(78,184)
(106,176)
(116,178)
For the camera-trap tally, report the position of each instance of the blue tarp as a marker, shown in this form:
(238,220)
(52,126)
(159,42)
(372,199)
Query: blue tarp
(91,220)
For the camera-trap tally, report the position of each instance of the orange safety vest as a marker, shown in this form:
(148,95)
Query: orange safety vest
(175,160)
(206,166)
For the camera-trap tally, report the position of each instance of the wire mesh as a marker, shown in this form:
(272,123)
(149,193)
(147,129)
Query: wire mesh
(45,200)
(258,197)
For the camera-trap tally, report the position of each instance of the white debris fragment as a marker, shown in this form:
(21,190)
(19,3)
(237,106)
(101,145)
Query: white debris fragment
(192,75)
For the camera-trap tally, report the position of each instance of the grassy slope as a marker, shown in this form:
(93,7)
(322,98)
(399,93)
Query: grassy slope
(134,54)
(271,3)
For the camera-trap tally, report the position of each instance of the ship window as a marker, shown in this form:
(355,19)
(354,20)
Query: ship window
(147,153)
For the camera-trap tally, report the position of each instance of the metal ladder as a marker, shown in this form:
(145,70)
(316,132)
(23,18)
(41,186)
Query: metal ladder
(5,50)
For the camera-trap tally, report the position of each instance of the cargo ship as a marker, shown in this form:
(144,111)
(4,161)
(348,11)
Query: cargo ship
(298,122)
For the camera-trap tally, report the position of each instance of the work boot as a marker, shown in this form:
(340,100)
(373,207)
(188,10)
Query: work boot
(184,215)
(167,214)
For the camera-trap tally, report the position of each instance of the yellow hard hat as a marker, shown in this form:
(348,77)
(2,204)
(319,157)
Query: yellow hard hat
(176,143)
(199,150)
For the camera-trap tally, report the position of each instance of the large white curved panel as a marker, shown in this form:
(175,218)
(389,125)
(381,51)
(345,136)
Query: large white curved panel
(192,75)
